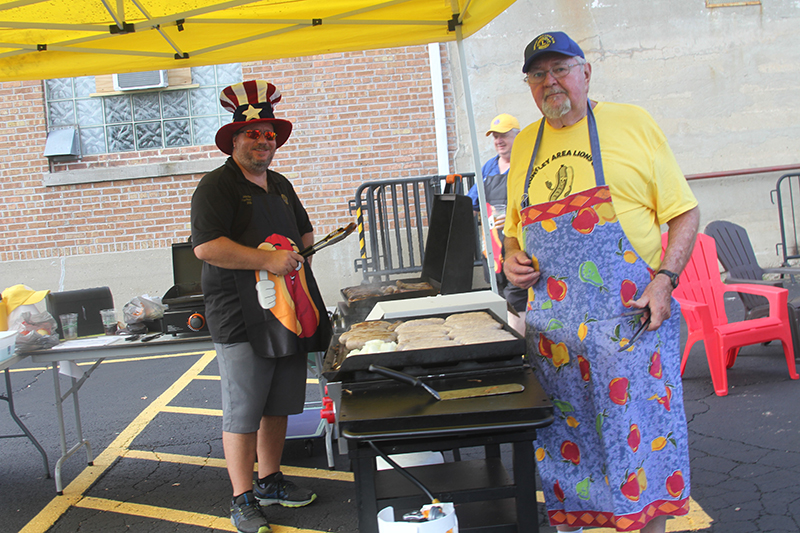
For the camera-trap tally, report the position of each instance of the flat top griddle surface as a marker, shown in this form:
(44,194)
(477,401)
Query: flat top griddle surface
(369,300)
(338,367)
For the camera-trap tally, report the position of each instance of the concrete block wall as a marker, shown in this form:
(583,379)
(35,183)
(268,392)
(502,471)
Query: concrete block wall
(720,81)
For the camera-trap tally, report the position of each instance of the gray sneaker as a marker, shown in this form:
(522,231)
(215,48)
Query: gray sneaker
(247,516)
(282,491)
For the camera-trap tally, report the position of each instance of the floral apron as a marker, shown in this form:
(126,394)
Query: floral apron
(617,454)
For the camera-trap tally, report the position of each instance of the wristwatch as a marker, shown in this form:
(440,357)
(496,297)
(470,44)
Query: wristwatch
(673,277)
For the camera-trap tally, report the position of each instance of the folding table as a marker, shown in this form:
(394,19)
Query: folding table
(5,365)
(117,348)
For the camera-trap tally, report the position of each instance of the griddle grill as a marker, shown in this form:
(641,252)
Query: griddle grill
(382,416)
(447,361)
(448,260)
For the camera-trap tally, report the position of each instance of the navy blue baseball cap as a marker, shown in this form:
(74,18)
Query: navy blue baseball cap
(554,41)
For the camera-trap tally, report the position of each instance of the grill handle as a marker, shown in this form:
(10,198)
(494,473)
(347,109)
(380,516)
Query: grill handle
(403,378)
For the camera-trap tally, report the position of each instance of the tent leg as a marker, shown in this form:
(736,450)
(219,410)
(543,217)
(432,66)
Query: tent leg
(476,157)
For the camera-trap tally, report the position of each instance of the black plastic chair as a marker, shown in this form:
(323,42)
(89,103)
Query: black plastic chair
(735,252)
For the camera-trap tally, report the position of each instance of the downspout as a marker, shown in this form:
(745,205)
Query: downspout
(439,118)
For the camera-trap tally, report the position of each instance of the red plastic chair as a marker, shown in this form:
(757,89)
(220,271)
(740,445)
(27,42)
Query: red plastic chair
(701,295)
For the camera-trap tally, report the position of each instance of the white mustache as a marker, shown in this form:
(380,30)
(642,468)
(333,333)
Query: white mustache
(552,92)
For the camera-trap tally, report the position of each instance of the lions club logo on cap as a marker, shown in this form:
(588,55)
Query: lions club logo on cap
(544,41)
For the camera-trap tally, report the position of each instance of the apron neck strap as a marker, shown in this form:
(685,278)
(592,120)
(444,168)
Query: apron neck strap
(594,144)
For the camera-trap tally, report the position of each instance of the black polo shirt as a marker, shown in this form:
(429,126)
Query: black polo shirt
(222,206)
(222,203)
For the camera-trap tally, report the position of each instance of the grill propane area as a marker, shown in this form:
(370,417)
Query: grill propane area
(427,364)
(436,382)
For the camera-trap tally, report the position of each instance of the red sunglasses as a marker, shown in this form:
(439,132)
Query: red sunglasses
(256,134)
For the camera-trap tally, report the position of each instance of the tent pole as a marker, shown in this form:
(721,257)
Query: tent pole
(477,161)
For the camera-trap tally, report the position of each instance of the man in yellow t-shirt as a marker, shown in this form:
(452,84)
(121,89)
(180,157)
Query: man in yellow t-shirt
(589,187)
(646,183)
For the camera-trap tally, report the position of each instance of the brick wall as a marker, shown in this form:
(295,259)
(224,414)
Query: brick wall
(357,116)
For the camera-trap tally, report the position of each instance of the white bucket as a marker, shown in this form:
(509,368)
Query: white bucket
(446,524)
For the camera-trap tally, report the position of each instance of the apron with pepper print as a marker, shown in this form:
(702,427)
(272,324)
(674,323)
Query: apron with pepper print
(617,454)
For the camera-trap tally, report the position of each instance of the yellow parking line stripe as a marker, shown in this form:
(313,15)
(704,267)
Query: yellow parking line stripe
(77,488)
(173,515)
(159,513)
(191,410)
(220,463)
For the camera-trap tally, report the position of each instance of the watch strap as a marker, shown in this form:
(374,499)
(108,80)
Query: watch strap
(673,277)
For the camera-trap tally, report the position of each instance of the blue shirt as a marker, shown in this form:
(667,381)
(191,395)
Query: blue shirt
(490,168)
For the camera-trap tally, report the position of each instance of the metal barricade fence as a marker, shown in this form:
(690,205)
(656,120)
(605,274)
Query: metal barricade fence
(392,217)
(787,195)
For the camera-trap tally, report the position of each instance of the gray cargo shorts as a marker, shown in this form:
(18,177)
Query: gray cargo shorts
(254,386)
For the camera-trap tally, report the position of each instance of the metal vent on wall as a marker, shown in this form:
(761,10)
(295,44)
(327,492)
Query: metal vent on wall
(133,81)
(63,145)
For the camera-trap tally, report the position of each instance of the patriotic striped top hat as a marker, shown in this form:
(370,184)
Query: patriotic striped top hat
(251,103)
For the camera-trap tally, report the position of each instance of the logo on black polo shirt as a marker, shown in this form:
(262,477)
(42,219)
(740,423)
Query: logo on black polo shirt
(247,199)
(285,199)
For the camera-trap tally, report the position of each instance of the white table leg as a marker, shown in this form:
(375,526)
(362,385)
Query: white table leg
(73,391)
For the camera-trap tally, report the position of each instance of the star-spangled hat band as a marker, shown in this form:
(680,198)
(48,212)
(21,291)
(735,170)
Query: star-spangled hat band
(251,103)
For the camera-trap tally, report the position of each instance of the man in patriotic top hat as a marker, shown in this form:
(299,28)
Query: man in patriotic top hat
(263,306)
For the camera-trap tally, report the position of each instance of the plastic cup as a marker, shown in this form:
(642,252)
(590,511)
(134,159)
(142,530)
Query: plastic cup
(109,317)
(498,217)
(69,325)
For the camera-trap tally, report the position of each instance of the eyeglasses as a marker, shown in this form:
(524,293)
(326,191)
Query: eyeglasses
(638,332)
(256,134)
(537,77)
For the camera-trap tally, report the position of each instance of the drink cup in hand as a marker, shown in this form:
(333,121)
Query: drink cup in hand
(499,215)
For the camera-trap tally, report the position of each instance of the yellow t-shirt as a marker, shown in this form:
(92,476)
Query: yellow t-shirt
(647,186)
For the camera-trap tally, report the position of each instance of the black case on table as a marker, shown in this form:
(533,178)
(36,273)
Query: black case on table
(87,303)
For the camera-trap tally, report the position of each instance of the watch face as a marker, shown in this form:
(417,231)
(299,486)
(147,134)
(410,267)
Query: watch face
(673,277)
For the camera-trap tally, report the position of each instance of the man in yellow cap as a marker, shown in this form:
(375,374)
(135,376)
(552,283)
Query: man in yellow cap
(503,129)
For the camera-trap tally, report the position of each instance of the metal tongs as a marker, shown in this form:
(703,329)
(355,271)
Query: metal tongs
(331,238)
(642,326)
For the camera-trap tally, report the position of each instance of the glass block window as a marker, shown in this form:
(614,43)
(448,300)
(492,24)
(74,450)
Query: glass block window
(141,120)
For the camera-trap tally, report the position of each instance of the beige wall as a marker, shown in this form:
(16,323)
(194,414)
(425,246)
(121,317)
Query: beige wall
(721,82)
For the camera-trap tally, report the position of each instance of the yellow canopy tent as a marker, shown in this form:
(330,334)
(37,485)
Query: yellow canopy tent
(41,39)
(63,38)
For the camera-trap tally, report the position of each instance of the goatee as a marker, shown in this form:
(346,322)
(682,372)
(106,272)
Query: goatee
(554,112)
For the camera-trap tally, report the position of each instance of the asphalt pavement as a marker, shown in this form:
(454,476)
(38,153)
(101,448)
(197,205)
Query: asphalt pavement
(154,427)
